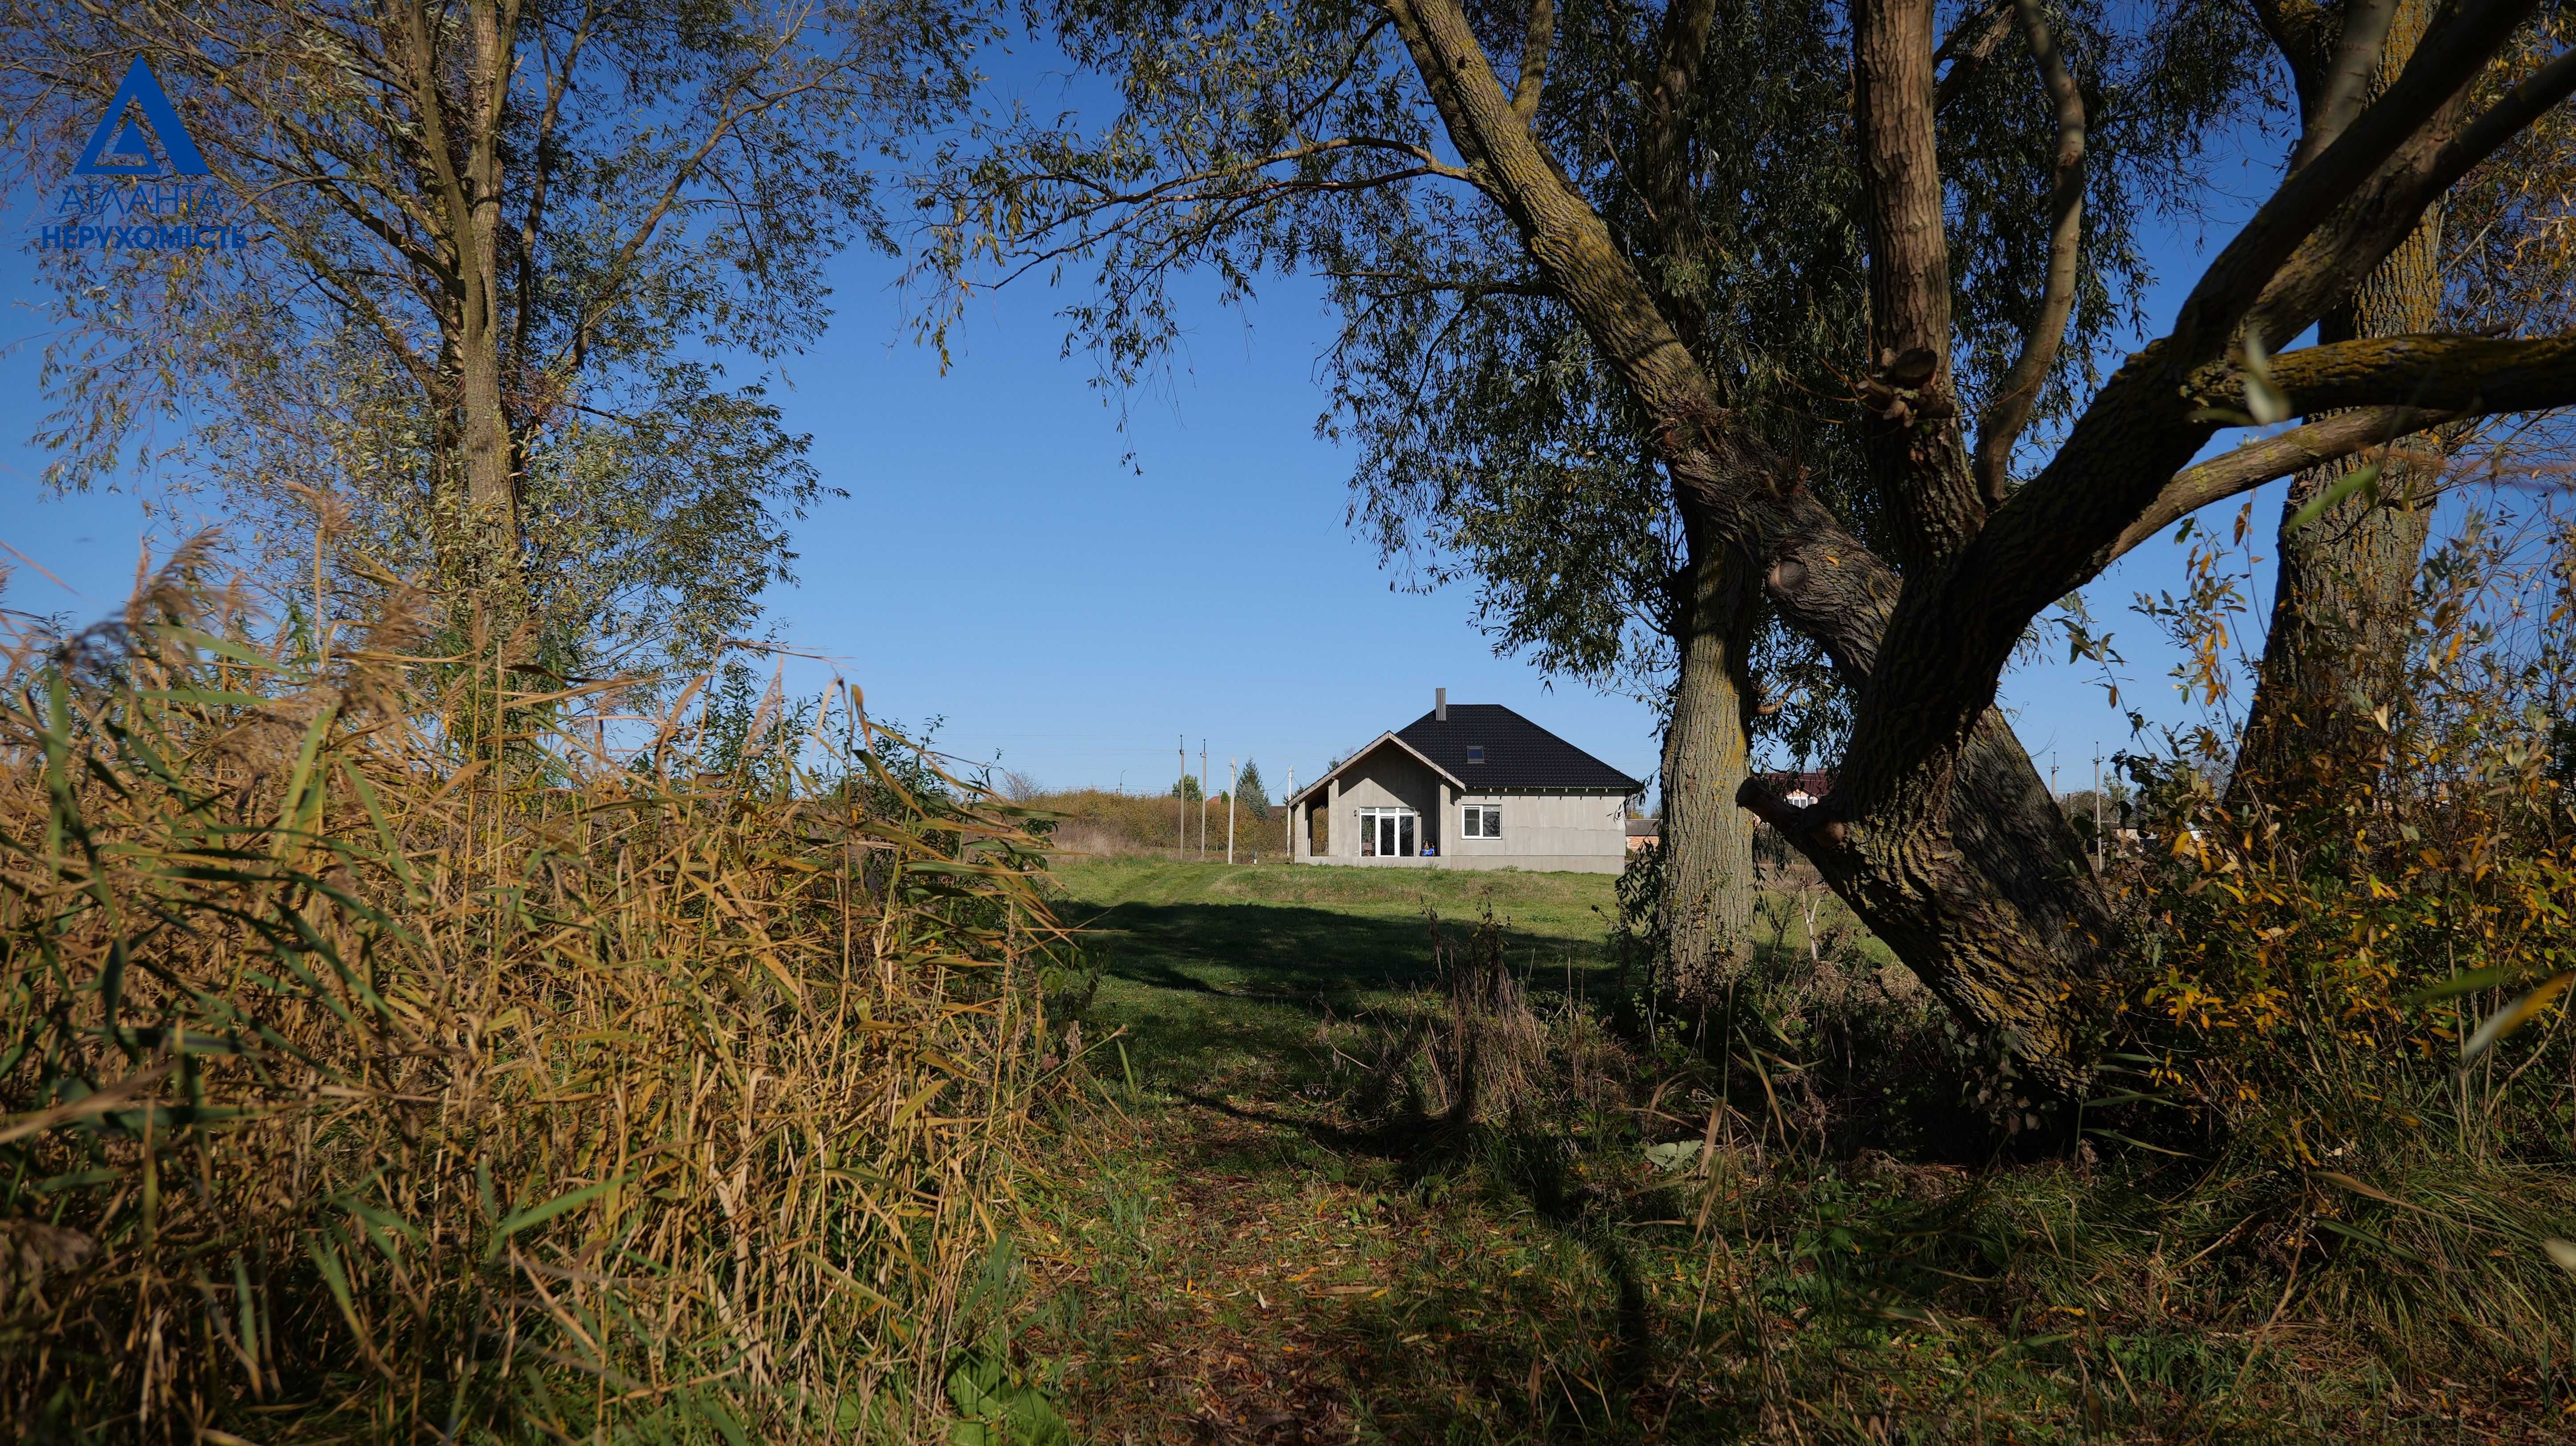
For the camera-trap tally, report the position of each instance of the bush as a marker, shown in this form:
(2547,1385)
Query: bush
(381,1064)
(2328,990)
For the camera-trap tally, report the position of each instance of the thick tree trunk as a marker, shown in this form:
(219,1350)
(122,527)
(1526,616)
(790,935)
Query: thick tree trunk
(2343,603)
(1707,837)
(1974,879)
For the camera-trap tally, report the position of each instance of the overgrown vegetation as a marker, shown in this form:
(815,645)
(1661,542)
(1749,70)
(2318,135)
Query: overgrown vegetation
(1269,1221)
(382,1064)
(1098,821)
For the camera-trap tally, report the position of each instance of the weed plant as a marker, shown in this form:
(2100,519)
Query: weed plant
(393,1053)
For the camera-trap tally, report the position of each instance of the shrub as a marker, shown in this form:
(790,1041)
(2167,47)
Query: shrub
(384,1064)
(2324,991)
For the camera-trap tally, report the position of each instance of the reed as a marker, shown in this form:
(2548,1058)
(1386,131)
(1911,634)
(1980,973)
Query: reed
(386,1061)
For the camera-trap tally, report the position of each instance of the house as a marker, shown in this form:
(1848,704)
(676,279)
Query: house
(1644,833)
(1802,790)
(1475,786)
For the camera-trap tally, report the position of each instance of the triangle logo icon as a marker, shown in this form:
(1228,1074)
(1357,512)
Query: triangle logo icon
(119,148)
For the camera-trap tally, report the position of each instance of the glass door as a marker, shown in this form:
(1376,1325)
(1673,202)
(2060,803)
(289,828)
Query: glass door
(1387,833)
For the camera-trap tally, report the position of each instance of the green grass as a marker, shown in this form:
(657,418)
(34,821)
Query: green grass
(1222,973)
(1226,1251)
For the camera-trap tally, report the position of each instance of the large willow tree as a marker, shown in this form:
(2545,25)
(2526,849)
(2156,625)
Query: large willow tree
(1989,478)
(501,253)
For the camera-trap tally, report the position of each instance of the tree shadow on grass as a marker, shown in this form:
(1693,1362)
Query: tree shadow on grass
(1223,1003)
(1214,988)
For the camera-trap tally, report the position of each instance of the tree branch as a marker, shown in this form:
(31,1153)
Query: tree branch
(2466,374)
(2347,79)
(1663,162)
(2009,410)
(1917,459)
(2378,217)
(1968,48)
(2267,460)
(1534,48)
(2444,68)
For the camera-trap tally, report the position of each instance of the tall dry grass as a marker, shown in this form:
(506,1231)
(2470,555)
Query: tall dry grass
(385,1064)
(1098,821)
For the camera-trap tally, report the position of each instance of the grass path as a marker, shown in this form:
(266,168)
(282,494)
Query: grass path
(1223,1251)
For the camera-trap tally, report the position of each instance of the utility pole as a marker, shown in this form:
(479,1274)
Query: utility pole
(2097,808)
(1291,811)
(1181,799)
(1203,800)
(1234,775)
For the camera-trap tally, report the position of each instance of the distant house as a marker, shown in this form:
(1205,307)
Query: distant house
(1474,786)
(1644,833)
(1801,789)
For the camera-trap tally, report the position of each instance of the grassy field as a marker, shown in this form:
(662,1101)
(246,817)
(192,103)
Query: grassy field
(1221,973)
(1226,1246)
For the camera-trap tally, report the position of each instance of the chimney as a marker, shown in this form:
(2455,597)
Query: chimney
(1440,705)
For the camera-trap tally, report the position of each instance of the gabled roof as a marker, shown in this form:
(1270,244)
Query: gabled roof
(1382,740)
(1516,753)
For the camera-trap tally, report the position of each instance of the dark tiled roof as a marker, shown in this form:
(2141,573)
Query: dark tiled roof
(1645,828)
(1814,783)
(1517,752)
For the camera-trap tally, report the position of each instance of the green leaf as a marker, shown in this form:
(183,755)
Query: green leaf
(2346,485)
(2459,984)
(2136,1144)
(999,1411)
(540,1214)
(2354,1232)
(2514,1016)
(1672,1156)
(2262,398)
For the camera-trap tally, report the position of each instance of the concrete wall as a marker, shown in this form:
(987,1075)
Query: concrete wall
(1566,832)
(1542,831)
(1386,778)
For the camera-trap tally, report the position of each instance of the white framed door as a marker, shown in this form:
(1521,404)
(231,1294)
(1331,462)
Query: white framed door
(1389,833)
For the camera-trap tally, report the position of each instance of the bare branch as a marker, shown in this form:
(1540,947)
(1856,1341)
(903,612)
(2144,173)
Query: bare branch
(1534,48)
(2445,66)
(2267,460)
(2378,217)
(2009,410)
(2347,79)
(1918,457)
(1968,48)
(2466,374)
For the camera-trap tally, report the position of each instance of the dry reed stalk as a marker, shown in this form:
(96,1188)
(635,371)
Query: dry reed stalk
(1497,1048)
(381,1064)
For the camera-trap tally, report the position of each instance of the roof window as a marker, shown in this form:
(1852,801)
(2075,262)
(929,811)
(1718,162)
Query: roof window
(1475,753)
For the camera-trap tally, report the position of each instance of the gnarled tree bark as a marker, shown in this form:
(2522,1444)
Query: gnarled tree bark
(1707,839)
(2343,600)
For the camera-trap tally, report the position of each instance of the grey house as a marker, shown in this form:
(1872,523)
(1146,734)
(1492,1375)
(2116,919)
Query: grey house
(1475,786)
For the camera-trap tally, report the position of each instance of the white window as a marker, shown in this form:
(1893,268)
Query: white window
(1387,833)
(1478,821)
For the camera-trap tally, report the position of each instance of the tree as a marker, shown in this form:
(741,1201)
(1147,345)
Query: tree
(2343,602)
(1249,790)
(500,252)
(1937,831)
(1492,427)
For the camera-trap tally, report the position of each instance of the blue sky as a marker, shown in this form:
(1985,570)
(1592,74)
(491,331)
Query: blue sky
(999,565)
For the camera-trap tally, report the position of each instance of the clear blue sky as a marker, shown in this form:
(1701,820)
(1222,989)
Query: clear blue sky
(998,564)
